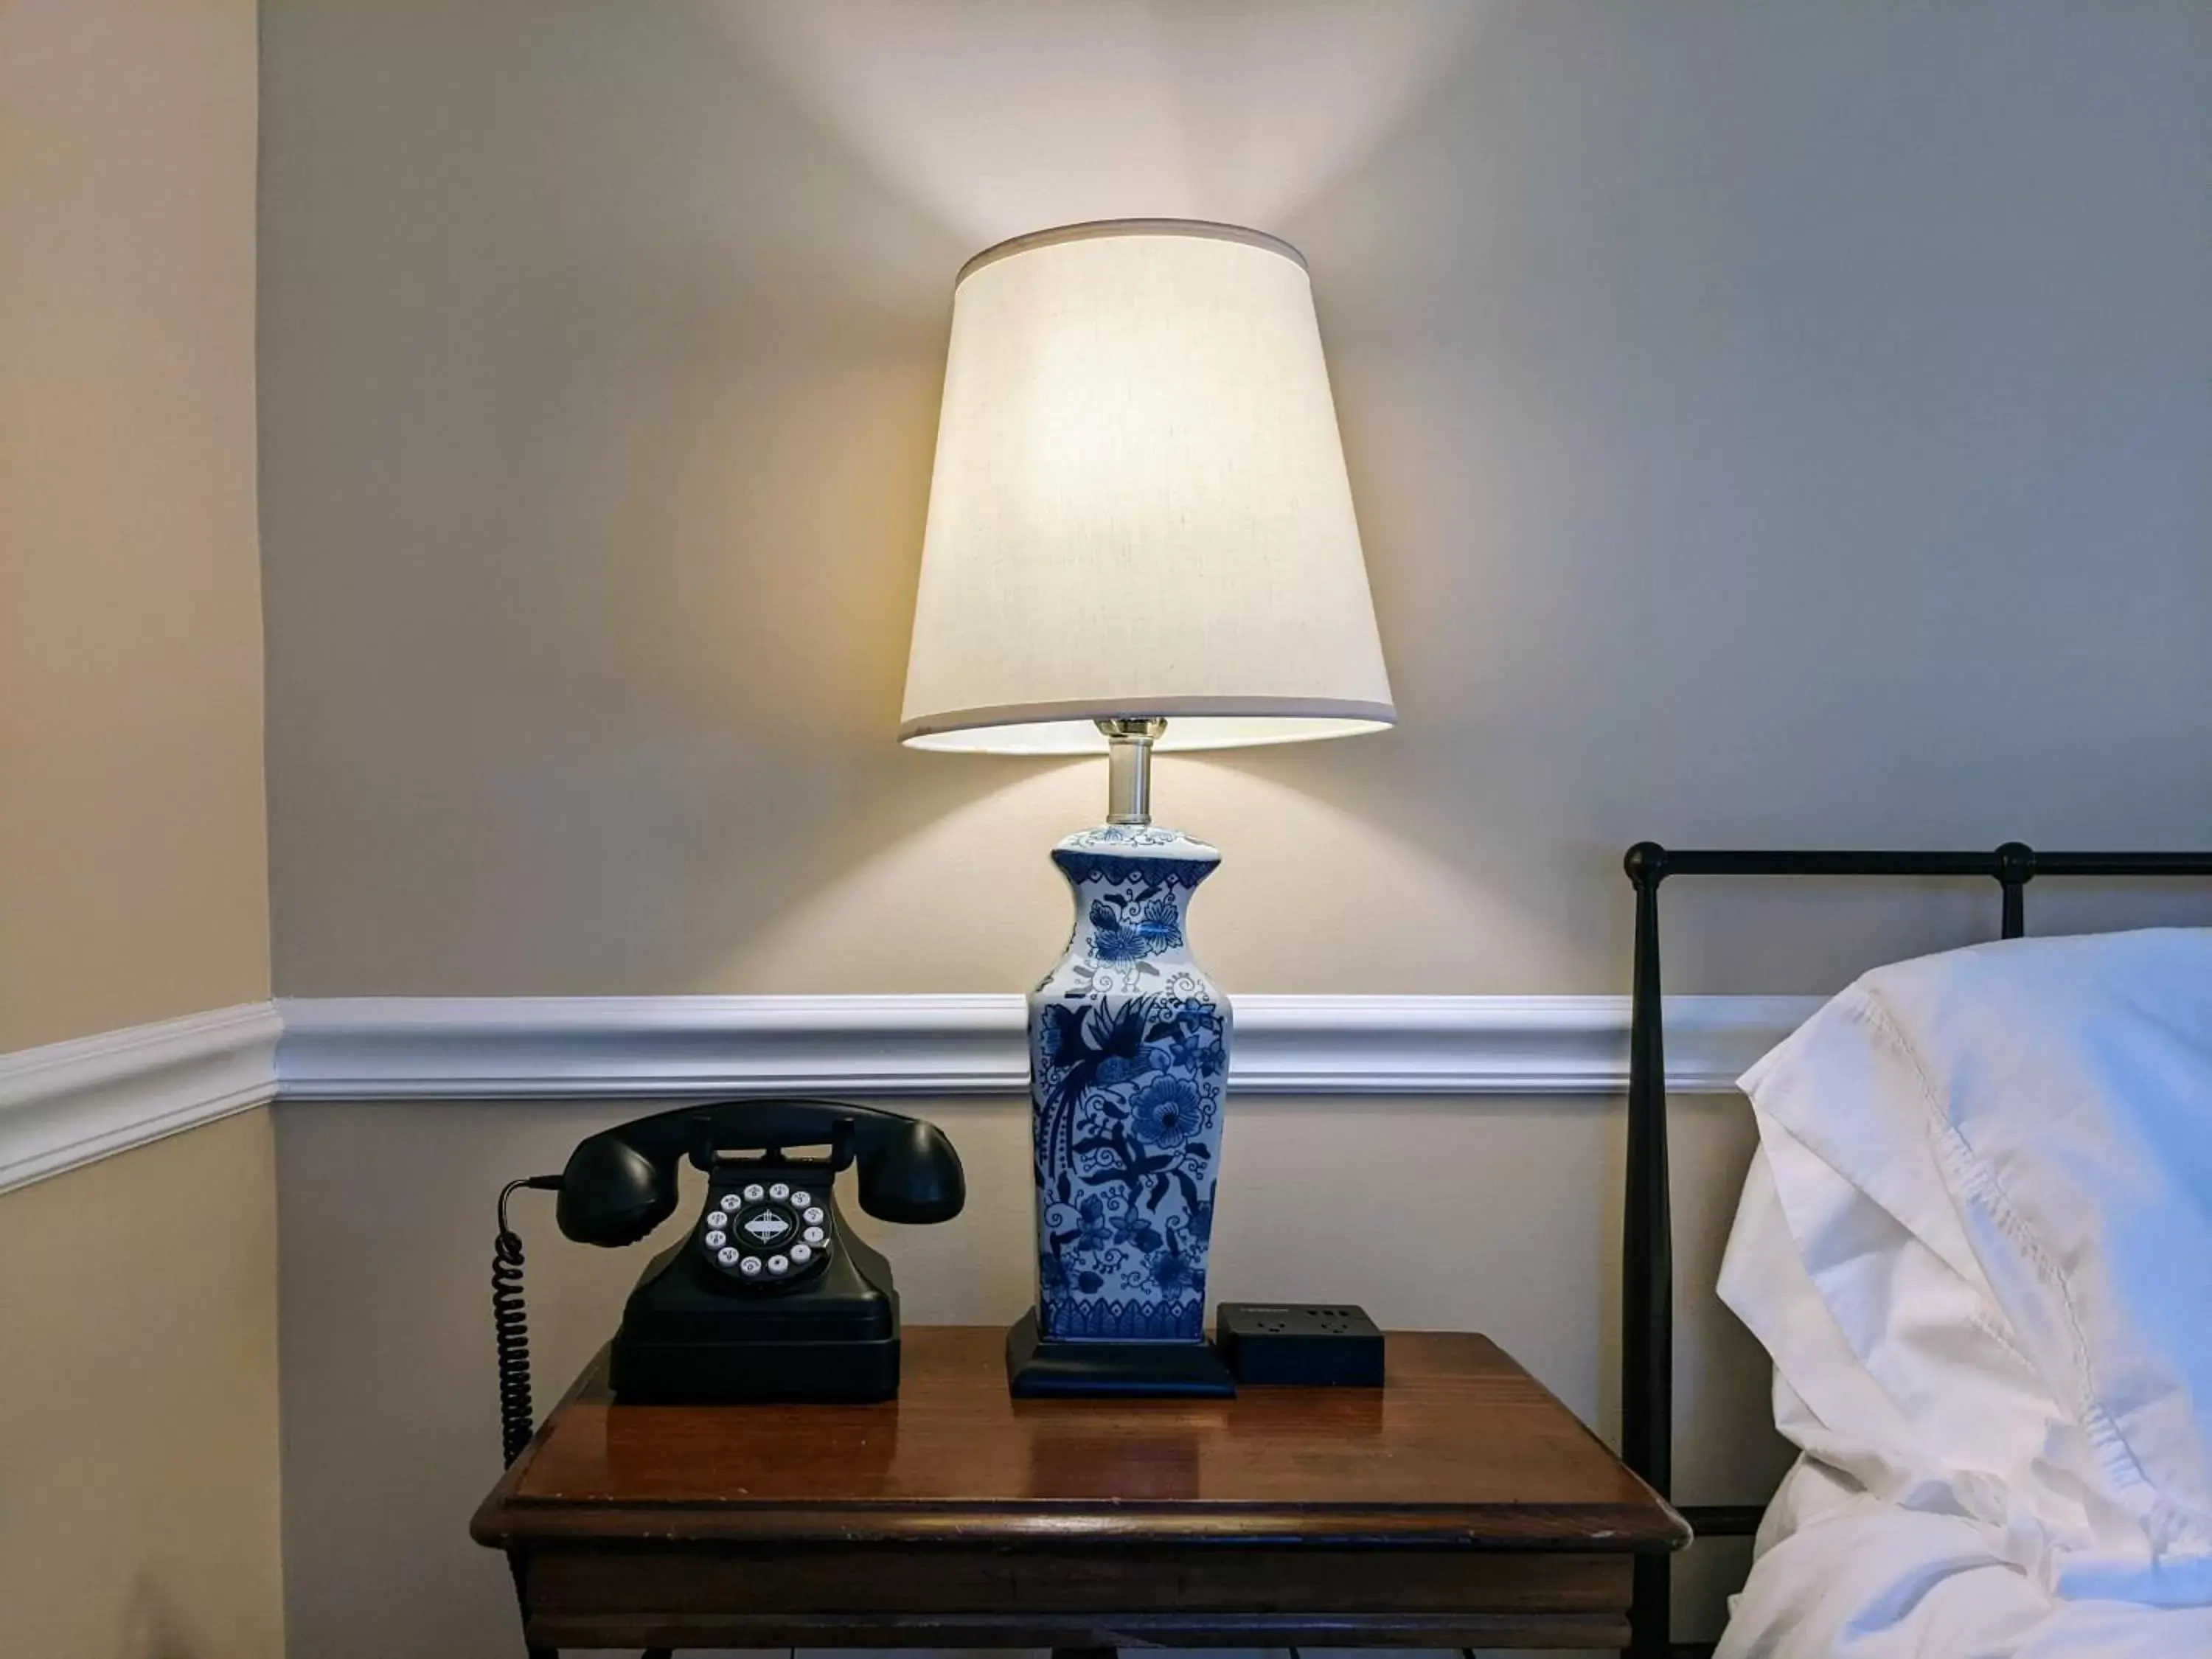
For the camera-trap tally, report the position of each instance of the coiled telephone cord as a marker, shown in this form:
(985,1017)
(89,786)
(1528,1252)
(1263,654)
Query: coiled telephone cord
(510,1326)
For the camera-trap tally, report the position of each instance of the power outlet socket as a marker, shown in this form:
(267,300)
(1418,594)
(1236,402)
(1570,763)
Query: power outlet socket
(1300,1344)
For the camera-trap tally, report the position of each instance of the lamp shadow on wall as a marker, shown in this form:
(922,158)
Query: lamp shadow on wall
(1282,815)
(994,120)
(985,120)
(598,408)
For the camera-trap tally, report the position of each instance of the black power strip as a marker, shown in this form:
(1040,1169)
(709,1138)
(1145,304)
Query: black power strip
(1302,1343)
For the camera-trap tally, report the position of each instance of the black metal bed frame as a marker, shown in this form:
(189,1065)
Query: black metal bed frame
(1647,1301)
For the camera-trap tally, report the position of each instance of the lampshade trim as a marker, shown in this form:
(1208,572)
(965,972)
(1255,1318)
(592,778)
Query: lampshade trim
(1162,709)
(1091,229)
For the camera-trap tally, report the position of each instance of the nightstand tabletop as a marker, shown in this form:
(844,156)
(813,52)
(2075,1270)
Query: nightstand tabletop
(1460,1499)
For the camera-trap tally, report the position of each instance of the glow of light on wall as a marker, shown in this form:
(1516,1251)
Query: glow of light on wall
(1000,116)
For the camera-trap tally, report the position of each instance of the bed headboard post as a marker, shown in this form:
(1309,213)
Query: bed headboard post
(1647,1295)
(2016,869)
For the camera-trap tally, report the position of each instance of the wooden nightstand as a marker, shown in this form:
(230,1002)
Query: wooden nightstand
(1458,1505)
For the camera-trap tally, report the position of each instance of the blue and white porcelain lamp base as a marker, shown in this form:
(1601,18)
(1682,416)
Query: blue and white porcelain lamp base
(1128,1067)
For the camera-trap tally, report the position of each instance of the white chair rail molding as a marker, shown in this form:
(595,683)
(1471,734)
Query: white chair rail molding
(64,1104)
(67,1103)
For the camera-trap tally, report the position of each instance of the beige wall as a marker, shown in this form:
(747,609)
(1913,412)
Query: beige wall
(132,829)
(1769,424)
(139,1512)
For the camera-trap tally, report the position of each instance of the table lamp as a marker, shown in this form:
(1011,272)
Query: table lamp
(1140,537)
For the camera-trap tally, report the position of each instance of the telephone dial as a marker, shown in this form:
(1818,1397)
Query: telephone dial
(769,1295)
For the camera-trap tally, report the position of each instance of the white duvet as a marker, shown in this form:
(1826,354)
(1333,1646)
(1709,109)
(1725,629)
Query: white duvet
(1977,1240)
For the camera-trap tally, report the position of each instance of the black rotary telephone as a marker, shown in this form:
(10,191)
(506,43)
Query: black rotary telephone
(768,1296)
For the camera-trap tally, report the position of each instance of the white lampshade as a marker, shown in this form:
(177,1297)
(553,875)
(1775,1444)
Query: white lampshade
(1140,506)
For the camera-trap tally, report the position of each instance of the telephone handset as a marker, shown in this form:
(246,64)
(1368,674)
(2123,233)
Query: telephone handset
(619,1183)
(768,1296)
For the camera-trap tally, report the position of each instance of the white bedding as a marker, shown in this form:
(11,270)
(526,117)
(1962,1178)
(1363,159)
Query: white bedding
(1977,1240)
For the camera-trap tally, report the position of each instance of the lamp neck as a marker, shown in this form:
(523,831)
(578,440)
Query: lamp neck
(1129,769)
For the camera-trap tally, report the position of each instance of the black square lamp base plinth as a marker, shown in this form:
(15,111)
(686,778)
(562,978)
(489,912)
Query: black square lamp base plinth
(1038,1369)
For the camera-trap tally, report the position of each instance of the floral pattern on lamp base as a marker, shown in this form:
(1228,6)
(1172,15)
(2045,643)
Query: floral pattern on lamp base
(1128,1061)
